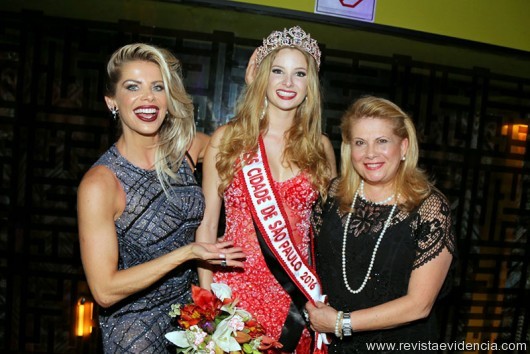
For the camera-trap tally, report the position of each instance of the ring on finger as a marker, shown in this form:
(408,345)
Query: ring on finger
(223,263)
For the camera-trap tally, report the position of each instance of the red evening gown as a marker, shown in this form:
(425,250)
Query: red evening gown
(255,286)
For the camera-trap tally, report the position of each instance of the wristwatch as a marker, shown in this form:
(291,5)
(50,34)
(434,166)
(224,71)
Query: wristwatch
(346,324)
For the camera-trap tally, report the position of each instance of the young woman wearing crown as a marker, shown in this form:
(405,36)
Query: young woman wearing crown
(270,164)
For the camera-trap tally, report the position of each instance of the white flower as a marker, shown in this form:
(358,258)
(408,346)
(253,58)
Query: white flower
(199,338)
(223,336)
(196,341)
(245,315)
(185,339)
(210,348)
(221,291)
(236,323)
(178,338)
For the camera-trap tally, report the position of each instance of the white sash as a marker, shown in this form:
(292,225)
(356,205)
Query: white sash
(273,224)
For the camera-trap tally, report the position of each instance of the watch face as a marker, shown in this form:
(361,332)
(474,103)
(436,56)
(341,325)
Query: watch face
(346,325)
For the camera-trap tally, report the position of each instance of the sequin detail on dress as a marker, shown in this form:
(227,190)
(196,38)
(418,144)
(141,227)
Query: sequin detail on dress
(151,225)
(255,286)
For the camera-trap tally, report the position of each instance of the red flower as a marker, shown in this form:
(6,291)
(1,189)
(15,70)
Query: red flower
(268,343)
(205,312)
(254,328)
(207,302)
(190,315)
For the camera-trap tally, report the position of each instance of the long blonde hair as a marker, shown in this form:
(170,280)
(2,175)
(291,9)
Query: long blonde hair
(411,182)
(304,138)
(178,129)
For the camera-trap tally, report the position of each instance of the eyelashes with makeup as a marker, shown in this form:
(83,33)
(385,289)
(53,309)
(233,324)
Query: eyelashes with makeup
(134,87)
(280,71)
(379,141)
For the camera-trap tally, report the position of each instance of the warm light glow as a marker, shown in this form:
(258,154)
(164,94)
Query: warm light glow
(83,323)
(519,132)
(80,320)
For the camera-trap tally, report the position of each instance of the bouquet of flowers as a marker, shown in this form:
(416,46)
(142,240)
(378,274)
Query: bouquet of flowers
(212,324)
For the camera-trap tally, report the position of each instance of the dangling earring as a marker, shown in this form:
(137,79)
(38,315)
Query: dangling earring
(114,112)
(265,105)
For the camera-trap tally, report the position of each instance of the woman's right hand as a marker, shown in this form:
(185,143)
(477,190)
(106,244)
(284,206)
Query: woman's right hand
(216,253)
(321,317)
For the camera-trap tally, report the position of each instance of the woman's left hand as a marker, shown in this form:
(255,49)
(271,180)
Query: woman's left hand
(322,317)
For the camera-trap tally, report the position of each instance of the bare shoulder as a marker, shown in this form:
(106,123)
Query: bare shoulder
(98,177)
(198,146)
(100,187)
(199,141)
(217,136)
(326,142)
(202,138)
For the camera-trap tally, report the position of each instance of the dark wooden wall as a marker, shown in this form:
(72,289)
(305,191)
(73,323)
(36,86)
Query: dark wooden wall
(54,125)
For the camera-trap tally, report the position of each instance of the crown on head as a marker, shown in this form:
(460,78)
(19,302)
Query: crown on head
(292,37)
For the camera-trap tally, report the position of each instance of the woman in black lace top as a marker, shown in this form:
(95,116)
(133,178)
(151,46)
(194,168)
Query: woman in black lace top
(384,241)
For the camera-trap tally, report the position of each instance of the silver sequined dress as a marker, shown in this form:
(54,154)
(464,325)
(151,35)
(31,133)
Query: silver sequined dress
(151,225)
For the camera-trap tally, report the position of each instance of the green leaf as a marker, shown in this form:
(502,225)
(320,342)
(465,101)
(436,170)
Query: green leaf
(247,348)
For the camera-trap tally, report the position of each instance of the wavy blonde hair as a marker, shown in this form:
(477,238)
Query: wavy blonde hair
(411,182)
(178,129)
(304,138)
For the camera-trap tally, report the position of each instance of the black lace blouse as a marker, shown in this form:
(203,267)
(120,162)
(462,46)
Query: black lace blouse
(411,240)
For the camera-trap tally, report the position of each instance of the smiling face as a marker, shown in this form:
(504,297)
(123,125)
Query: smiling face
(376,151)
(140,98)
(287,85)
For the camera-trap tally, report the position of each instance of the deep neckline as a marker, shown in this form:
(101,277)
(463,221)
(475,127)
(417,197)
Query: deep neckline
(292,178)
(266,158)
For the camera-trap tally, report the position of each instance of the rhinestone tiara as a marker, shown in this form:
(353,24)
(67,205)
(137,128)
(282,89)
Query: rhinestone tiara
(292,37)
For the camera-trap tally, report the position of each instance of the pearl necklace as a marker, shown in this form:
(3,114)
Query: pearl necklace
(361,194)
(376,247)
